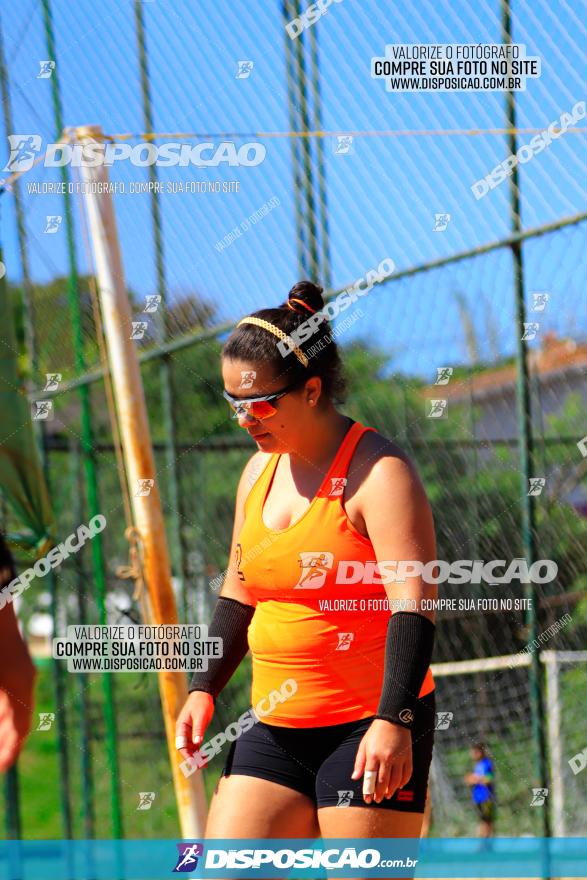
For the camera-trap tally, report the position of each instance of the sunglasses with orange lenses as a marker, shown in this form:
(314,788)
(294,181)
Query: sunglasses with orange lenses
(257,407)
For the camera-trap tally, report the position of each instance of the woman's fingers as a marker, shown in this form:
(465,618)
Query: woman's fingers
(370,779)
(359,761)
(395,778)
(183,738)
(198,728)
(383,775)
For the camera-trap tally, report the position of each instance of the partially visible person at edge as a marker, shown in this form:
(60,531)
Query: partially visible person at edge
(483,788)
(346,752)
(17,674)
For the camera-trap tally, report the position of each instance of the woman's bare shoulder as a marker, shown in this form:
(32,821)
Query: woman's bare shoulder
(374,451)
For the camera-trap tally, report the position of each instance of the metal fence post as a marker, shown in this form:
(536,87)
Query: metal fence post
(97,547)
(524,407)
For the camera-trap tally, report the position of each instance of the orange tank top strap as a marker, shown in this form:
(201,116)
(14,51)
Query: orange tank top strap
(340,465)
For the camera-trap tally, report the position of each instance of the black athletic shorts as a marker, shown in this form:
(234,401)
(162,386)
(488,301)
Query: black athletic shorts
(318,761)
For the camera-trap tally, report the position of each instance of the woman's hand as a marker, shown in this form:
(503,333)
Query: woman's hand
(386,749)
(193,720)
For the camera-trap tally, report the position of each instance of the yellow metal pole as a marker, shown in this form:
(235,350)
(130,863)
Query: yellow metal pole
(138,457)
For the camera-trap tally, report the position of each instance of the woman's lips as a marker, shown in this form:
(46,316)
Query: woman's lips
(260,436)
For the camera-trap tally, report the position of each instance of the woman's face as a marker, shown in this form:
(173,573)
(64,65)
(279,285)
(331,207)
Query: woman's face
(282,431)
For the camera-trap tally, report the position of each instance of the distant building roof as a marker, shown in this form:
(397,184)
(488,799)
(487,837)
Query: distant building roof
(556,357)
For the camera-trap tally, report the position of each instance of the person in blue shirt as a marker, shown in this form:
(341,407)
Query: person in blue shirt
(482,785)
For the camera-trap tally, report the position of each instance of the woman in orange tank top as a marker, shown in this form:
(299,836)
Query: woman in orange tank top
(342,703)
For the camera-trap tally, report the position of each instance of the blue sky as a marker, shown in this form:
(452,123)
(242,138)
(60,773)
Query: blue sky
(381,198)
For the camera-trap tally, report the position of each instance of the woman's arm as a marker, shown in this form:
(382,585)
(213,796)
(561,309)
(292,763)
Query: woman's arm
(399,522)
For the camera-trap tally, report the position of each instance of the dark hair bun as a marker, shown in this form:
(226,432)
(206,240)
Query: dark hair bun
(308,293)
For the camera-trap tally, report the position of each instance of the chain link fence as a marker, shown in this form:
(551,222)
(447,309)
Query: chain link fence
(352,175)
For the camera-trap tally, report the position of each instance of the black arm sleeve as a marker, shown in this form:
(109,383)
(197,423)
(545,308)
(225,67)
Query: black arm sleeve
(408,652)
(230,622)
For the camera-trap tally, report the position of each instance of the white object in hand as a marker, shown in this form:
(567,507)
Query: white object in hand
(370,777)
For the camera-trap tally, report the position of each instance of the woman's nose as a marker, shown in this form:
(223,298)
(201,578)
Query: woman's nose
(245,420)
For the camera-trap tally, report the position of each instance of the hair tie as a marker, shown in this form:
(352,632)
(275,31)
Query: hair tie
(302,303)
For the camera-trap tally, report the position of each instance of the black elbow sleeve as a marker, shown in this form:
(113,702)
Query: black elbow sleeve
(230,622)
(408,653)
